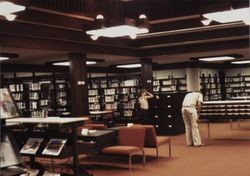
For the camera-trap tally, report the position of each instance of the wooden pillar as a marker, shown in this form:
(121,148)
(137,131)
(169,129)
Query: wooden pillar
(78,84)
(223,85)
(146,74)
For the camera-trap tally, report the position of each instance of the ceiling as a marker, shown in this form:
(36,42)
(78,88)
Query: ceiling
(48,30)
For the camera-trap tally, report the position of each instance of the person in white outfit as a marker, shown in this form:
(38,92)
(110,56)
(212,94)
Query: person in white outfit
(191,107)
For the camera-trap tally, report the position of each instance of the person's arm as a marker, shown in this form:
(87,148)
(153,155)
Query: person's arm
(149,95)
(198,106)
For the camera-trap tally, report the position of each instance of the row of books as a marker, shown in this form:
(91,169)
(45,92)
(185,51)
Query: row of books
(53,147)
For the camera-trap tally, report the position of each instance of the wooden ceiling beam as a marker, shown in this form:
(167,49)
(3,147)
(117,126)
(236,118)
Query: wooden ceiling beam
(44,32)
(194,36)
(197,48)
(46,44)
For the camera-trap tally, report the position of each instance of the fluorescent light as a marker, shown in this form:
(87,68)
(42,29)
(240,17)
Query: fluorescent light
(129,66)
(117,31)
(233,15)
(4,58)
(67,63)
(241,62)
(8,8)
(220,58)
(90,62)
(61,63)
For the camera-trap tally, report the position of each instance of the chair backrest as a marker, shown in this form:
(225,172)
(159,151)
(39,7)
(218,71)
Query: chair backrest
(132,136)
(150,135)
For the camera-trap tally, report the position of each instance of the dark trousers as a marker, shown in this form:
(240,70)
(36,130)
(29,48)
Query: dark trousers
(145,117)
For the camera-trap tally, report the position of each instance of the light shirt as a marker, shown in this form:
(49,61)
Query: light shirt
(143,102)
(192,98)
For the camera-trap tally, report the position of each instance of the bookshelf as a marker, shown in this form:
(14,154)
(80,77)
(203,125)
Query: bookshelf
(40,95)
(210,87)
(170,85)
(116,94)
(237,86)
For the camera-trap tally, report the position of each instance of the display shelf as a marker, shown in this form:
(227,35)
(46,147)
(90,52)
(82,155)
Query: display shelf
(54,130)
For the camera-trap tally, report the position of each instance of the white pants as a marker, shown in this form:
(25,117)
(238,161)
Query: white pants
(190,118)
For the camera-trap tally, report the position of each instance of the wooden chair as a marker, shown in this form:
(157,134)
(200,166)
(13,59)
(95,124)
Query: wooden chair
(131,142)
(154,141)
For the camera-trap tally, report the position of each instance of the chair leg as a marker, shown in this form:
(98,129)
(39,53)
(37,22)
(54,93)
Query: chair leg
(170,153)
(157,153)
(144,158)
(130,162)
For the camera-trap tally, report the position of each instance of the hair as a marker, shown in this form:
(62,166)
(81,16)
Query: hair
(141,92)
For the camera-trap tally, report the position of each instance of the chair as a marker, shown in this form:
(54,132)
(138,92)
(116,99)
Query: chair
(153,141)
(131,142)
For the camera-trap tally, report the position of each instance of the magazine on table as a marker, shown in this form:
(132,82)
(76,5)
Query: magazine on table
(31,146)
(32,172)
(54,147)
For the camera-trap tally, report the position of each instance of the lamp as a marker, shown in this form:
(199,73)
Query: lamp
(233,15)
(129,28)
(7,8)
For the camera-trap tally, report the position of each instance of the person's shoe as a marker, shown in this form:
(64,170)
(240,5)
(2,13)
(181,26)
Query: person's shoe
(200,145)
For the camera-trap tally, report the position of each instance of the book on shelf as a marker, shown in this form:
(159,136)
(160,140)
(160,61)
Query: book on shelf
(54,147)
(31,146)
(47,173)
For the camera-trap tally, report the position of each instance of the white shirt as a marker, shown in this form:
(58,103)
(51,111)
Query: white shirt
(192,98)
(143,102)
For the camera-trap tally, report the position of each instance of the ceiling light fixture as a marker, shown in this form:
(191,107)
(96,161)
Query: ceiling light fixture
(129,66)
(68,63)
(4,58)
(128,29)
(241,62)
(206,21)
(232,15)
(7,8)
(217,58)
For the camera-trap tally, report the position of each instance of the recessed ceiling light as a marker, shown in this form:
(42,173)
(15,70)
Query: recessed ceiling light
(129,66)
(217,58)
(67,63)
(4,58)
(241,62)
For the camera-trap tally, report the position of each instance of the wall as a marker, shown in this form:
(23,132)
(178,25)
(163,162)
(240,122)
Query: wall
(161,74)
(236,71)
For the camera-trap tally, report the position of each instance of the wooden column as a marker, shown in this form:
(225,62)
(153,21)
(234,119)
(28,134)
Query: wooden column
(222,78)
(79,84)
(146,74)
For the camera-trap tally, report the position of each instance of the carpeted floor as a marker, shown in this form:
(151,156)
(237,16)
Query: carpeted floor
(226,153)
